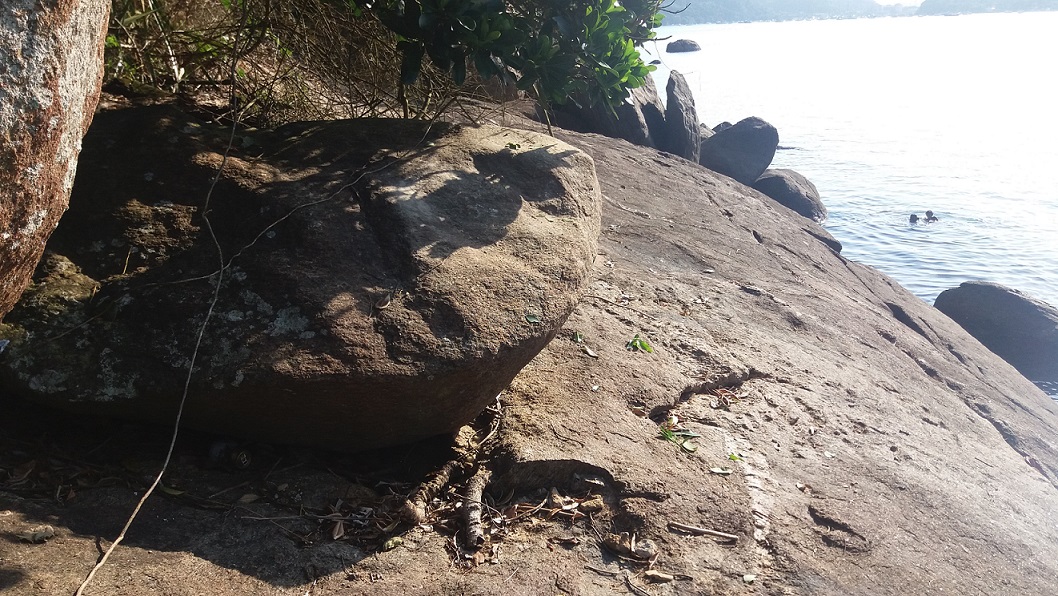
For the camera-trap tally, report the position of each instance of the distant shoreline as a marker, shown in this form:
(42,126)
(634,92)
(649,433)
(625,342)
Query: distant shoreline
(719,13)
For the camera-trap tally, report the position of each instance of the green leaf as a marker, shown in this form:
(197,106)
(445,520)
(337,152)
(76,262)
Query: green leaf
(532,318)
(392,543)
(734,457)
(638,344)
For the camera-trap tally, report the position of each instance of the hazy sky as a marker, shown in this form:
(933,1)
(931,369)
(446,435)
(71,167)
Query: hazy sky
(904,2)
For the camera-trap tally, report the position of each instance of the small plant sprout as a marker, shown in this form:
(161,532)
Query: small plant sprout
(638,344)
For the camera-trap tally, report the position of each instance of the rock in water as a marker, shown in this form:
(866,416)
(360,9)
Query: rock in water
(742,151)
(682,45)
(385,280)
(51,65)
(1018,328)
(792,190)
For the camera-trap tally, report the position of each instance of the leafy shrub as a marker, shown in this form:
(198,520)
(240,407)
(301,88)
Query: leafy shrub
(281,60)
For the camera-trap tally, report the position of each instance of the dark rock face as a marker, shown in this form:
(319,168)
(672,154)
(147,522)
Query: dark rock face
(682,45)
(647,103)
(742,151)
(51,61)
(1018,328)
(370,297)
(683,136)
(640,119)
(792,190)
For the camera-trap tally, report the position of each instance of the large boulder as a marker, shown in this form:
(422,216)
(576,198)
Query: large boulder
(1016,327)
(792,190)
(682,45)
(640,119)
(368,296)
(847,439)
(742,151)
(51,65)
(683,135)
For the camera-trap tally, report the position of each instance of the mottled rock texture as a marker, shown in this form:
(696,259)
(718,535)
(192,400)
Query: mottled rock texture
(383,281)
(51,60)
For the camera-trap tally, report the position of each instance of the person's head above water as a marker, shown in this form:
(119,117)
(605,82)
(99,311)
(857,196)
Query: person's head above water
(930,216)
(914,218)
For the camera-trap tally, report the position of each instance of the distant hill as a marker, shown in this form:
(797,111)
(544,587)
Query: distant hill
(734,11)
(933,7)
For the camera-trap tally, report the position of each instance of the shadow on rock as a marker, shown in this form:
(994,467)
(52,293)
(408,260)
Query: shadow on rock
(273,520)
(377,282)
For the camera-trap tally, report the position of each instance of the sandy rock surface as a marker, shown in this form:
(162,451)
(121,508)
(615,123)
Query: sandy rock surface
(851,438)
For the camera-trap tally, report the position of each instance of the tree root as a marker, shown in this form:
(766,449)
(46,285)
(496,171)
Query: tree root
(468,448)
(475,537)
(466,456)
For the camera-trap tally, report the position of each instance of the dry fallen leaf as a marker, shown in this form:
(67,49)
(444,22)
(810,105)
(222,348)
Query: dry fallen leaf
(338,530)
(37,535)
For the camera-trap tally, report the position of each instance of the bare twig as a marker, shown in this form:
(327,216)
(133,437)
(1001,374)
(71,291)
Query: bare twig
(635,589)
(602,571)
(701,531)
(190,368)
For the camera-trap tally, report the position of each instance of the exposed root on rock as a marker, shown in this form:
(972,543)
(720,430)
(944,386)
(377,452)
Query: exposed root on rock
(467,448)
(475,538)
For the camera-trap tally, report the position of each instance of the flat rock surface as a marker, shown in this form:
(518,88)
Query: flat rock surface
(862,443)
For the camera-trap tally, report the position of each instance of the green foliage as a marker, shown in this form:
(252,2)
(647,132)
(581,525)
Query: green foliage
(280,60)
(581,50)
(638,344)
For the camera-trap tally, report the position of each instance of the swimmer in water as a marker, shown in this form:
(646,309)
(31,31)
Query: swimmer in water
(930,218)
(914,218)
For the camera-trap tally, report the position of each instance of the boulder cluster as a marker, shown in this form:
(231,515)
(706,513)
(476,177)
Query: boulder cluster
(742,151)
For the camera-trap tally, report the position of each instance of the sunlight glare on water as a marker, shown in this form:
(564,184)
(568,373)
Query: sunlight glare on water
(895,116)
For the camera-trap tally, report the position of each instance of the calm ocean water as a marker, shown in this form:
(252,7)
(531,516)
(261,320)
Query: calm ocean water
(895,116)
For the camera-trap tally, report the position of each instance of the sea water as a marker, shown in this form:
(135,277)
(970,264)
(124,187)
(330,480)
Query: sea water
(894,116)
